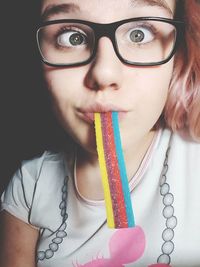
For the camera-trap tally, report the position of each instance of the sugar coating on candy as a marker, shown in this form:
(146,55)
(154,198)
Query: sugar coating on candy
(113,172)
(116,189)
(103,169)
(122,167)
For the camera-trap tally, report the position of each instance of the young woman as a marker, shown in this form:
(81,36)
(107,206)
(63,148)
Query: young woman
(140,59)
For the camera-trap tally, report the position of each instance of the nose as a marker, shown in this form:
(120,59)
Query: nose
(105,71)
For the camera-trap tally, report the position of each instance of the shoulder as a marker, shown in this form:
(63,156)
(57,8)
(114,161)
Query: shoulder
(50,171)
(185,148)
(184,160)
(35,166)
(42,175)
(28,188)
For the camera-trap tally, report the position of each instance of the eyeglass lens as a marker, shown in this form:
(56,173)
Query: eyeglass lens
(147,41)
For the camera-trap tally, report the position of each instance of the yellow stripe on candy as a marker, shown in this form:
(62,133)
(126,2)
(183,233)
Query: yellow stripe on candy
(103,169)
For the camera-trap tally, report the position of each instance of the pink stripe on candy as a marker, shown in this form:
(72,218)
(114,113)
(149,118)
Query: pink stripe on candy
(116,189)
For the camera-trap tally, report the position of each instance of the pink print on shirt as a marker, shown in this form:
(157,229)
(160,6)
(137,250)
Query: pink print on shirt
(125,246)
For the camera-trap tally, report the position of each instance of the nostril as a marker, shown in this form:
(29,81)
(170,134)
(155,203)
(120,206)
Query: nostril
(96,86)
(114,86)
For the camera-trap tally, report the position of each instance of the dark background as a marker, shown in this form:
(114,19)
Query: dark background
(27,126)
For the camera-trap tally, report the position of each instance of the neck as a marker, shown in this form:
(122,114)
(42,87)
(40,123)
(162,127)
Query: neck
(134,156)
(88,177)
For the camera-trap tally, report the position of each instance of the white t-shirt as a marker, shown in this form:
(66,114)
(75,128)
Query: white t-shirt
(74,233)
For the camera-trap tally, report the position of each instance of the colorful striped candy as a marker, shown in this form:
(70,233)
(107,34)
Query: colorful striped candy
(113,171)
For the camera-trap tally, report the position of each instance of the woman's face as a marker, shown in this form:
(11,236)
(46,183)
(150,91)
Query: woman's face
(107,84)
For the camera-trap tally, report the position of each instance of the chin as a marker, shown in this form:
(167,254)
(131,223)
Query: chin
(87,143)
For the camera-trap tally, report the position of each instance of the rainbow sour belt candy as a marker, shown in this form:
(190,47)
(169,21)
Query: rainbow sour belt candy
(113,171)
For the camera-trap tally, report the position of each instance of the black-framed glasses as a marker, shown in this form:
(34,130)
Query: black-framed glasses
(143,41)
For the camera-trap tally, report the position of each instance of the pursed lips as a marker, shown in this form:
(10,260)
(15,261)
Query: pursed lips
(87,113)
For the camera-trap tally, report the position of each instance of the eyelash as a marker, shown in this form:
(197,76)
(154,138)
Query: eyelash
(147,26)
(67,29)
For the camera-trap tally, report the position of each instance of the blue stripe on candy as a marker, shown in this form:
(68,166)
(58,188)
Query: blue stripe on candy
(122,168)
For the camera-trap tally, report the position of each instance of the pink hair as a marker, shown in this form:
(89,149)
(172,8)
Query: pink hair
(182,110)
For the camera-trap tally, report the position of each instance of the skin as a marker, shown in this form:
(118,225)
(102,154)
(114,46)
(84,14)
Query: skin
(17,241)
(140,92)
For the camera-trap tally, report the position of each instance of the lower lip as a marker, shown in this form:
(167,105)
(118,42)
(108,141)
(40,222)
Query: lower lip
(89,116)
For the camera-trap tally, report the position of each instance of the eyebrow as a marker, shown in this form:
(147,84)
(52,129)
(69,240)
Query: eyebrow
(71,7)
(160,3)
(58,9)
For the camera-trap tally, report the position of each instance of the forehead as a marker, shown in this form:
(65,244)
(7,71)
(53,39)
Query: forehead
(106,10)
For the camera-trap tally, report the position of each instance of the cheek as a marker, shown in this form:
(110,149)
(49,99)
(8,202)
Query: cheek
(60,97)
(63,84)
(58,80)
(149,93)
(152,85)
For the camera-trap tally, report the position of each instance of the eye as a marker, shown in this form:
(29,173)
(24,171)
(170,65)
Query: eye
(140,35)
(71,38)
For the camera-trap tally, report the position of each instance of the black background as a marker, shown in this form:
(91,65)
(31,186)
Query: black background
(27,126)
